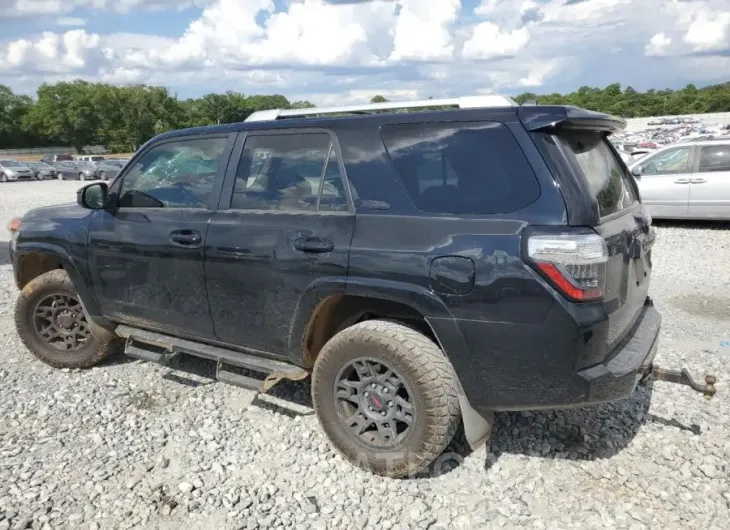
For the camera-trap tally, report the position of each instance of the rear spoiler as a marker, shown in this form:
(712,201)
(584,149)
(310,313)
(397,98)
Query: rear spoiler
(547,118)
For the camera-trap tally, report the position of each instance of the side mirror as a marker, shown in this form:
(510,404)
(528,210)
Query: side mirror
(94,196)
(636,171)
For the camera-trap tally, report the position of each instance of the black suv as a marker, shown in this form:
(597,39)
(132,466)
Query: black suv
(425,267)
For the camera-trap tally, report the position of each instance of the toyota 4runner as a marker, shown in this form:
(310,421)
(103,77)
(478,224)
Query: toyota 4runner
(427,268)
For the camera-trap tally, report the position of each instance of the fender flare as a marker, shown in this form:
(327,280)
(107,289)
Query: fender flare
(100,326)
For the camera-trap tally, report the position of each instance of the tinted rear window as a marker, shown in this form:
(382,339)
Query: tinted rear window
(608,181)
(460,168)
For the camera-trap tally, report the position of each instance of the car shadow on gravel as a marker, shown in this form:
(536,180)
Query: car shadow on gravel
(587,433)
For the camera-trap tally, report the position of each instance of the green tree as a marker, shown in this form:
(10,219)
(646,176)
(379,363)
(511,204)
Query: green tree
(378,99)
(63,112)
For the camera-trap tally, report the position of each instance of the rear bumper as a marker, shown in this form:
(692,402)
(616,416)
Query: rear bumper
(631,361)
(613,378)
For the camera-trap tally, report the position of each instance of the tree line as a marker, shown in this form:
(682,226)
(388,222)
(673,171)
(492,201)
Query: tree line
(121,118)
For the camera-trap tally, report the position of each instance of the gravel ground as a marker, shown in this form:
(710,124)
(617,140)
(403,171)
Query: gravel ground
(130,444)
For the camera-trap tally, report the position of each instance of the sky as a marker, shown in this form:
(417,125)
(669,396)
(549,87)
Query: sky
(346,51)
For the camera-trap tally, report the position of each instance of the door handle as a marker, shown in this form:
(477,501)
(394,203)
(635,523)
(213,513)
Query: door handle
(698,181)
(682,181)
(186,238)
(313,245)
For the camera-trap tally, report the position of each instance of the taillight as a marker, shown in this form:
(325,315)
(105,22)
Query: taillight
(574,263)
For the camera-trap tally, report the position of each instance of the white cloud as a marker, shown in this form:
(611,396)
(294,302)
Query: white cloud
(537,72)
(657,45)
(709,31)
(71,21)
(349,50)
(52,52)
(423,31)
(488,41)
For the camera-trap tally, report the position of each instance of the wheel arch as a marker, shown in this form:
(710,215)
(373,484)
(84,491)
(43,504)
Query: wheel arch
(331,305)
(33,259)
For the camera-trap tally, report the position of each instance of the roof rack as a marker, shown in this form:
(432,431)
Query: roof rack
(469,102)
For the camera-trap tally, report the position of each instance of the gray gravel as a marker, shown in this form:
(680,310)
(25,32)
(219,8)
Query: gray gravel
(130,444)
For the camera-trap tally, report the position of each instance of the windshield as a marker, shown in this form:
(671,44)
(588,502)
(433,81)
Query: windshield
(11,163)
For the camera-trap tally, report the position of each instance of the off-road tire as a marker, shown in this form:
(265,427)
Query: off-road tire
(423,367)
(56,281)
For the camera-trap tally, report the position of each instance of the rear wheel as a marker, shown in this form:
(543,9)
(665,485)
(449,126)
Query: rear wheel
(51,323)
(386,397)
(60,176)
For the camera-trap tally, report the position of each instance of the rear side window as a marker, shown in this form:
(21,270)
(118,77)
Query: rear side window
(290,172)
(715,158)
(460,168)
(607,179)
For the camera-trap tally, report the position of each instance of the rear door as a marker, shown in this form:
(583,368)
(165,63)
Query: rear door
(710,183)
(284,224)
(664,182)
(622,221)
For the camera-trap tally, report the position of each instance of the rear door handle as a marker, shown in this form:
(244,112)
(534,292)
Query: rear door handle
(186,238)
(682,181)
(313,245)
(698,181)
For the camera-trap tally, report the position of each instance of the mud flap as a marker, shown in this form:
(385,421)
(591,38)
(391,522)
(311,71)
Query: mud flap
(477,426)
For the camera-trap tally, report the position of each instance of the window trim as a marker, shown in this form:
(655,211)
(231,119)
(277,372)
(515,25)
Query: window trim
(116,186)
(698,150)
(226,196)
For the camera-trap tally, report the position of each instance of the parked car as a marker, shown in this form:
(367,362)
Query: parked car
(13,170)
(52,159)
(41,170)
(426,268)
(89,158)
(108,169)
(75,170)
(689,180)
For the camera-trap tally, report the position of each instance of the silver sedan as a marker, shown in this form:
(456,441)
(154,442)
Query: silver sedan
(686,181)
(13,170)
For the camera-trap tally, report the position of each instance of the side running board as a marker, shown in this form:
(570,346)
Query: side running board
(158,348)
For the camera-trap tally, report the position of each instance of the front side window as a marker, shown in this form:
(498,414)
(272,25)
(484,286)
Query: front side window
(177,174)
(669,162)
(715,158)
(292,172)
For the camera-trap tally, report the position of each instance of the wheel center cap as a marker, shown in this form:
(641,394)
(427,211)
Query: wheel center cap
(65,321)
(377,401)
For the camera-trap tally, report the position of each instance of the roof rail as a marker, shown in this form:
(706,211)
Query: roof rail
(469,102)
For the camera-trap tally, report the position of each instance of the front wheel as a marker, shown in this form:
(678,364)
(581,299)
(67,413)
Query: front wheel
(52,324)
(81,177)
(102,175)
(3,177)
(386,397)
(60,176)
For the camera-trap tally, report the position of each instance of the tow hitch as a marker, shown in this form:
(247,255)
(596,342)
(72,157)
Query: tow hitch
(683,378)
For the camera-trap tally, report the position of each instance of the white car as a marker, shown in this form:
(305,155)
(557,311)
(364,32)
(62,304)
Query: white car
(689,180)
